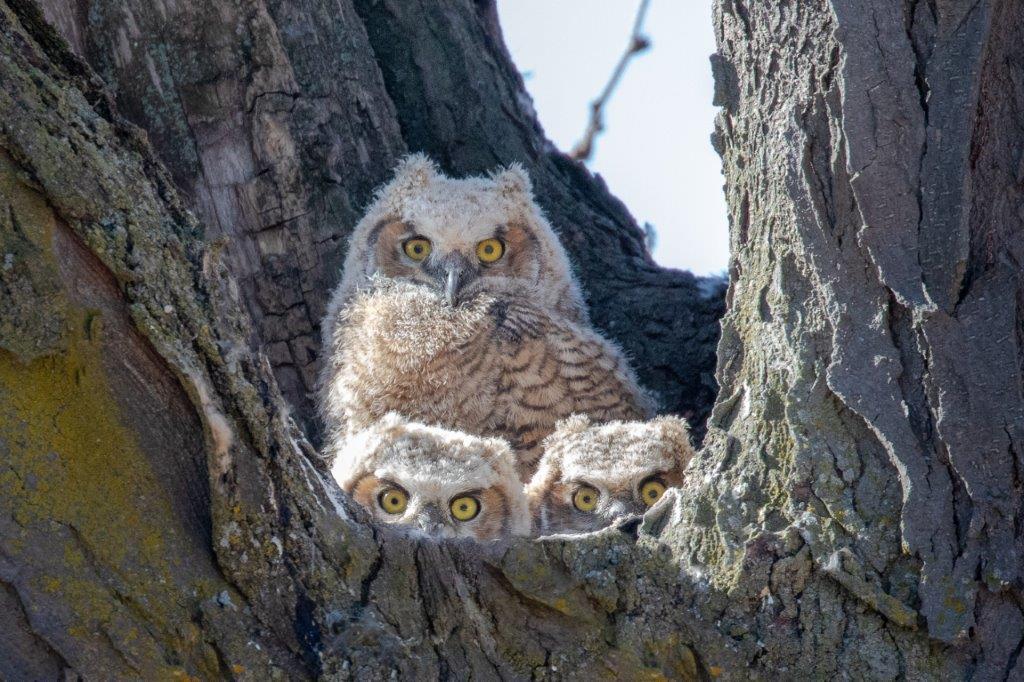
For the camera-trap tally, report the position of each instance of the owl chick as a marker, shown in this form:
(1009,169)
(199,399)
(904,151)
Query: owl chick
(590,475)
(457,307)
(441,483)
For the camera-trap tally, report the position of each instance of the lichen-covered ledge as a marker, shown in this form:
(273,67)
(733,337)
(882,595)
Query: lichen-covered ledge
(612,604)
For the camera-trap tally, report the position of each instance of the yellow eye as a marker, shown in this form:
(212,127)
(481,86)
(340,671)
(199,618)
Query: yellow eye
(490,250)
(465,508)
(417,248)
(585,499)
(652,491)
(393,501)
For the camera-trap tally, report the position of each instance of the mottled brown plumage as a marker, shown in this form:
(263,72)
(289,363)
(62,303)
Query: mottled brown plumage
(486,367)
(507,350)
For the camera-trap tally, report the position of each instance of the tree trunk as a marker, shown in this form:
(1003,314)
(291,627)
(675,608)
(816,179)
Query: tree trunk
(867,442)
(855,510)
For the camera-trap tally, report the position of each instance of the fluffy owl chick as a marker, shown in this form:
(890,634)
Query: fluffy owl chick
(458,236)
(457,308)
(590,475)
(441,483)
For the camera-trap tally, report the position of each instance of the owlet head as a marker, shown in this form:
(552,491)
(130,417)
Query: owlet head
(461,237)
(591,475)
(440,483)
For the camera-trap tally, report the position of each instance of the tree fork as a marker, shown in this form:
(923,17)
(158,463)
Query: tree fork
(855,505)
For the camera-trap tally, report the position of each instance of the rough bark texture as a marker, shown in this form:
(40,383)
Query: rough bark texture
(855,511)
(870,364)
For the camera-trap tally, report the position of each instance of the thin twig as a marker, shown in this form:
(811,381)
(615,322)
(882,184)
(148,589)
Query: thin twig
(637,44)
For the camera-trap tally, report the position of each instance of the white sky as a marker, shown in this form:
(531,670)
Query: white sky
(655,154)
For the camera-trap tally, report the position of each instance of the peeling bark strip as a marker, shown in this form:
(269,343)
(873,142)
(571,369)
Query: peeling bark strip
(900,338)
(857,505)
(915,145)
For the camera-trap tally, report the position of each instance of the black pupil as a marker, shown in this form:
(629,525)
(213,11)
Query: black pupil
(394,501)
(417,248)
(653,493)
(586,498)
(463,506)
(488,249)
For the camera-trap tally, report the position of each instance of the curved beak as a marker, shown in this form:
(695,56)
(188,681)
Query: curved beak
(430,520)
(453,275)
(451,286)
(619,508)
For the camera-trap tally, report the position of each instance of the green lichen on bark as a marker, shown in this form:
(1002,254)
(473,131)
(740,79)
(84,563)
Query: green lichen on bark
(33,320)
(69,464)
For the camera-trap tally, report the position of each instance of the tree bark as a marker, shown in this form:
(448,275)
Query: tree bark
(855,510)
(870,364)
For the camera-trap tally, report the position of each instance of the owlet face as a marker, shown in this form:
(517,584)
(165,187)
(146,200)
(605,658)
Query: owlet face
(435,510)
(592,475)
(461,237)
(437,482)
(458,255)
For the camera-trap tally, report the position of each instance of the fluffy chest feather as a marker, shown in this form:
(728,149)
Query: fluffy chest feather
(491,366)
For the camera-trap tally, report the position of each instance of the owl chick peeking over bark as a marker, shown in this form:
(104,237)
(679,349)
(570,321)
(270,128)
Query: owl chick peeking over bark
(457,308)
(433,481)
(592,474)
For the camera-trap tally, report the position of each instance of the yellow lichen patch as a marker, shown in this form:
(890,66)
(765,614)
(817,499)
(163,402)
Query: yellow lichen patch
(561,605)
(676,659)
(71,460)
(73,468)
(94,536)
(654,661)
(184,676)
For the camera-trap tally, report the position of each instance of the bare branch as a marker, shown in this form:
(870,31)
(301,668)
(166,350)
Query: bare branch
(638,43)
